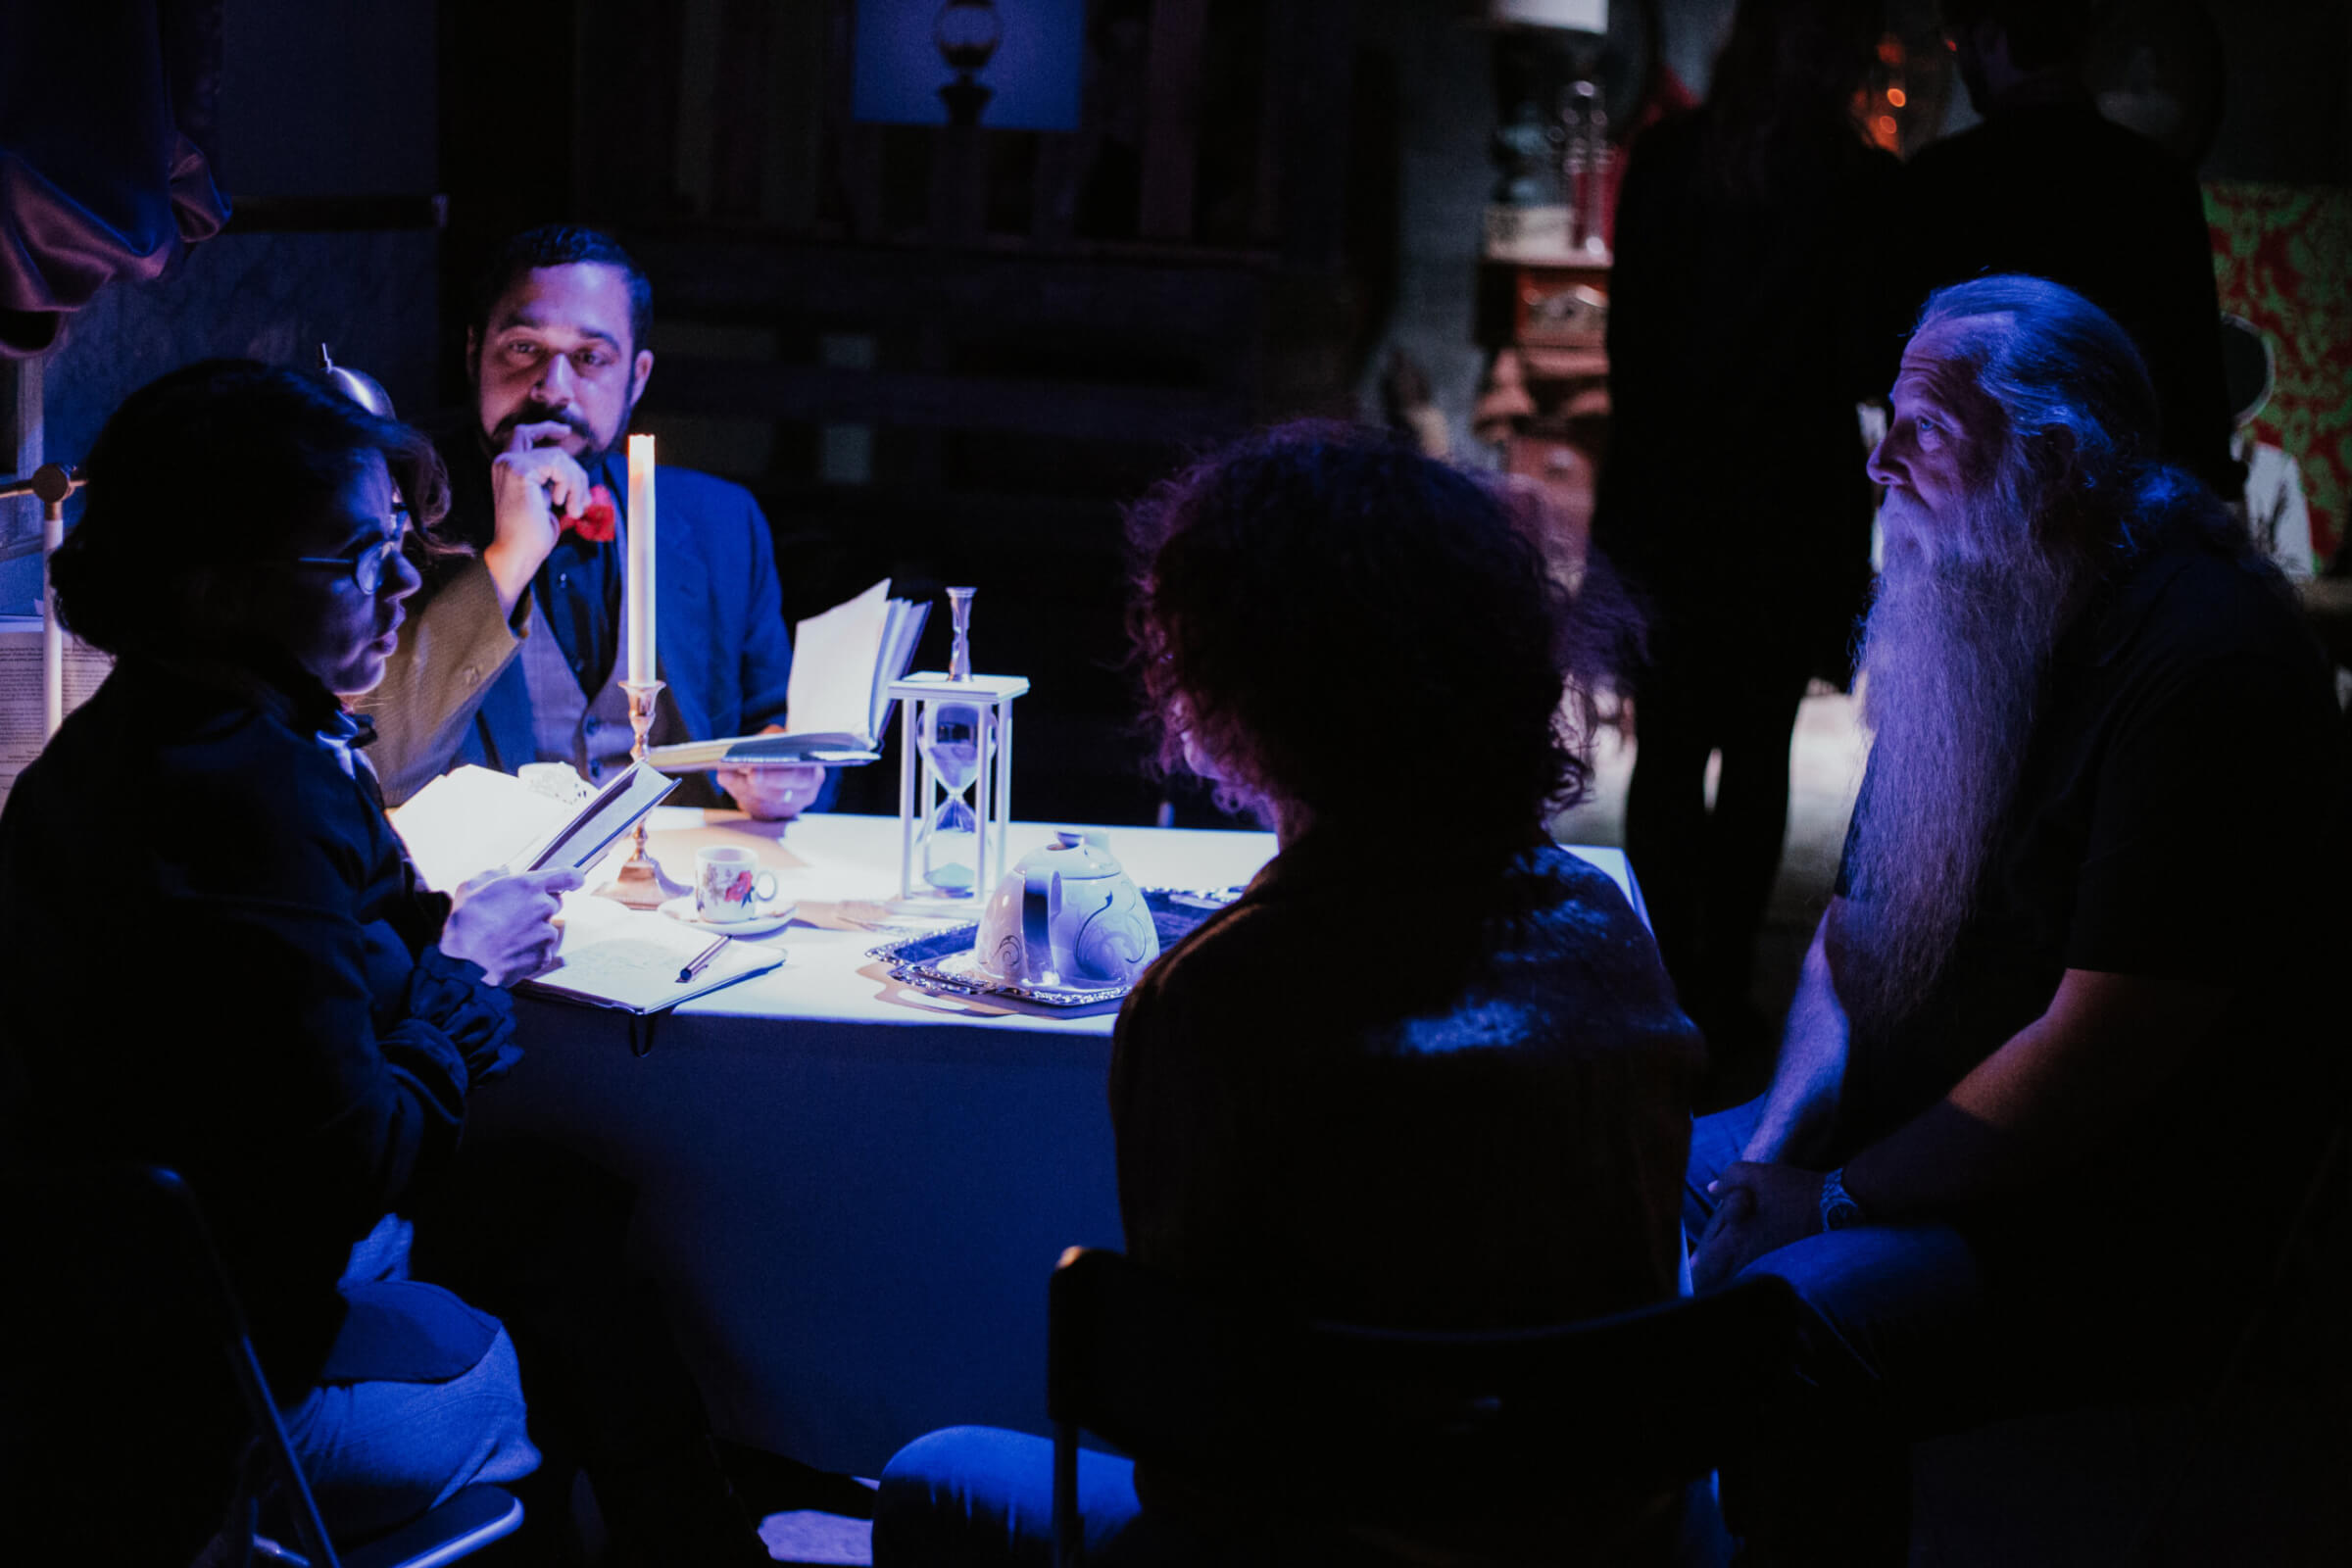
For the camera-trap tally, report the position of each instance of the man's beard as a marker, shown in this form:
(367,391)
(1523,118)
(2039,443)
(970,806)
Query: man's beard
(592,451)
(1953,656)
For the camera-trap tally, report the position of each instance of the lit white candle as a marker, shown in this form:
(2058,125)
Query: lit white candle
(637,587)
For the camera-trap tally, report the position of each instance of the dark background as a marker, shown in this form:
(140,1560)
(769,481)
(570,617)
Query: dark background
(941,356)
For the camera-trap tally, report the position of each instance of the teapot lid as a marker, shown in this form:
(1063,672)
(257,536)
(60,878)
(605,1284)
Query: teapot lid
(1075,854)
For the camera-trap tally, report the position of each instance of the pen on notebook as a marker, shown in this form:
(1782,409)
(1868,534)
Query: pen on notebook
(701,959)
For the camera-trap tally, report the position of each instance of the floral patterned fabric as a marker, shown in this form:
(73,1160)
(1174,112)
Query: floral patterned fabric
(2282,258)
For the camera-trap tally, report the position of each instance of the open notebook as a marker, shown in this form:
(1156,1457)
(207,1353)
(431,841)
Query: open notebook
(630,959)
(471,820)
(843,662)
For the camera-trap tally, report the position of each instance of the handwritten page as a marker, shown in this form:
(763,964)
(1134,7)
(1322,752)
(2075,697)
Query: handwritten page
(616,957)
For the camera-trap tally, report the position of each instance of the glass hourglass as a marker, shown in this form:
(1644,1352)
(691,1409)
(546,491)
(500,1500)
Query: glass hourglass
(956,740)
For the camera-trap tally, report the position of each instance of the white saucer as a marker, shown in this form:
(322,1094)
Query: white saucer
(771,917)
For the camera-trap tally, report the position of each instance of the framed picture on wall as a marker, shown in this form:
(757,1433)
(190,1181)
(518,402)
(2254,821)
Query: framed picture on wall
(1001,65)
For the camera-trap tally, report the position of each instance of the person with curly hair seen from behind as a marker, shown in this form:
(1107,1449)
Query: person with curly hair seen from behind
(1428,1071)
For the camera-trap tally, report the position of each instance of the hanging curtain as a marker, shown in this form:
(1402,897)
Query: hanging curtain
(105,121)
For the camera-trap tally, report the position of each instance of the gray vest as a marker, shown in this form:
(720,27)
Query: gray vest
(566,727)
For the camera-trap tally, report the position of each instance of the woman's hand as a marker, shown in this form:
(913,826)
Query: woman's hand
(504,922)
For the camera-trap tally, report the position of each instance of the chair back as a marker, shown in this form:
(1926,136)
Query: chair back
(133,1388)
(132,1392)
(1348,1423)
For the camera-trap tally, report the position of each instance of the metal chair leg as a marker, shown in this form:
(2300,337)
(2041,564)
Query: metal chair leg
(1069,1530)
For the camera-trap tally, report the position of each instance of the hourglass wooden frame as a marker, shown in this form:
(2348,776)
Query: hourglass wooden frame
(992,805)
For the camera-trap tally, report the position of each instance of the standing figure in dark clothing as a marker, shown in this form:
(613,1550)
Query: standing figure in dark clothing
(1755,301)
(1469,1132)
(2048,186)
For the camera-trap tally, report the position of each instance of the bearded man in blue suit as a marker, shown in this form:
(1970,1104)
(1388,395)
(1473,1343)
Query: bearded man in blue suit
(511,654)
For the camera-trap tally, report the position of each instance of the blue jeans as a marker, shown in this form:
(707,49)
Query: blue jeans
(1895,1339)
(1894,1313)
(381,1452)
(975,1495)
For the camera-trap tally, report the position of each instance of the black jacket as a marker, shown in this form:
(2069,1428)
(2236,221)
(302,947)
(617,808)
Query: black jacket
(215,957)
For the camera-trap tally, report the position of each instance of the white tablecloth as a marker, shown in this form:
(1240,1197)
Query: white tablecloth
(854,1193)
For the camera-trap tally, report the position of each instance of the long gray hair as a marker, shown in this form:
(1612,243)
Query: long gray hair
(1958,639)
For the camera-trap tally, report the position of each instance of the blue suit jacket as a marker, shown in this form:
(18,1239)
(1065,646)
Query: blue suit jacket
(454,692)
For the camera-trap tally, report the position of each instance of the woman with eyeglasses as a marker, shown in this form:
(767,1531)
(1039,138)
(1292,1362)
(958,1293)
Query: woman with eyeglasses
(215,957)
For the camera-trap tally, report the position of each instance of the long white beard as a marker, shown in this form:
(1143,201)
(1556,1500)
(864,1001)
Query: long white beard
(1953,656)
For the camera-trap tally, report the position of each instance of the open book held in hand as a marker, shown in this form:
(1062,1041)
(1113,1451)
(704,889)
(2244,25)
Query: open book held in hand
(843,663)
(473,820)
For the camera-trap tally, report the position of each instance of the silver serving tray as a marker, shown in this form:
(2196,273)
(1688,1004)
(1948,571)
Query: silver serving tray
(940,961)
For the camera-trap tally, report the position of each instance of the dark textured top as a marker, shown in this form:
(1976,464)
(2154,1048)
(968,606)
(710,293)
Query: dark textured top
(2177,814)
(2059,191)
(216,957)
(1396,1090)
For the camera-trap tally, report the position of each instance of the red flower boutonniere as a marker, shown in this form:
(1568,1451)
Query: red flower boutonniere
(598,522)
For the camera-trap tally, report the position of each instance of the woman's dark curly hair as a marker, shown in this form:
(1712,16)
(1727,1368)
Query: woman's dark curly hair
(215,464)
(1344,624)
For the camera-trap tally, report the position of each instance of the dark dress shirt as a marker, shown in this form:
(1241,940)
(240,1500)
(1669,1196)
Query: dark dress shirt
(578,589)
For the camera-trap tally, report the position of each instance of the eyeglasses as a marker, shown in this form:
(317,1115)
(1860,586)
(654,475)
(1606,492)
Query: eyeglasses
(366,568)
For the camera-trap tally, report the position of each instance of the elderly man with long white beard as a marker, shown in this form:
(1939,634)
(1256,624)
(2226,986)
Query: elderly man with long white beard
(2058,1070)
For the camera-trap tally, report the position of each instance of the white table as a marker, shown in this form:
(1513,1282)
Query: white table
(854,1193)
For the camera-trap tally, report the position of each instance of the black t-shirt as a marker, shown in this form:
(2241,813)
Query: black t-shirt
(2178,814)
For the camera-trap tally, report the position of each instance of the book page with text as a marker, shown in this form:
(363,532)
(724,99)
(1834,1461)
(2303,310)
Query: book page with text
(833,658)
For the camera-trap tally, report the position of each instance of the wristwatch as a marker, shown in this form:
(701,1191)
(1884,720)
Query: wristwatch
(1838,1206)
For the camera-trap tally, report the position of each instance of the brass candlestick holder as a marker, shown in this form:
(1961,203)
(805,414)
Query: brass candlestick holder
(641,885)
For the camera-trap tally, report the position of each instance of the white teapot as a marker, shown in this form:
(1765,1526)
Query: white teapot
(1067,915)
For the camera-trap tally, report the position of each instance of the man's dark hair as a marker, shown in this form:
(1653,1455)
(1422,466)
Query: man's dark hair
(215,464)
(560,245)
(1347,625)
(2041,34)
